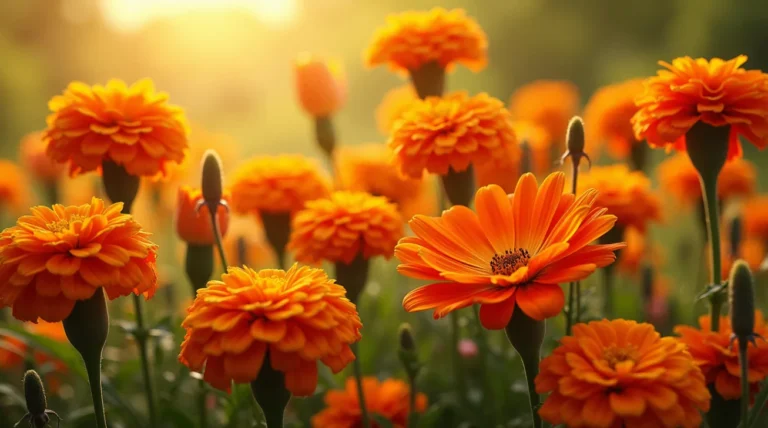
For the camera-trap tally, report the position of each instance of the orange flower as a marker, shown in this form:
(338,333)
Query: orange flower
(245,243)
(631,258)
(716,92)
(621,373)
(320,84)
(296,317)
(338,228)
(393,105)
(387,399)
(719,358)
(608,115)
(751,250)
(756,217)
(627,194)
(412,39)
(505,171)
(14,190)
(13,351)
(194,226)
(513,252)
(366,168)
(55,257)
(36,161)
(277,184)
(436,134)
(132,126)
(547,103)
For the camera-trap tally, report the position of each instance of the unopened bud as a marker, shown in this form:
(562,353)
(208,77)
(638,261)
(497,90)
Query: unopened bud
(212,185)
(119,185)
(34,393)
(574,138)
(407,351)
(406,338)
(741,297)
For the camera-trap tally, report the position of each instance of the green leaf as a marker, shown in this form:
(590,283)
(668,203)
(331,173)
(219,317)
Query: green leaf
(59,350)
(756,417)
(381,421)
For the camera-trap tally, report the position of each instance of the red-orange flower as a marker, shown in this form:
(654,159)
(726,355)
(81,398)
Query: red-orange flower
(436,134)
(14,189)
(513,252)
(296,318)
(756,217)
(715,92)
(546,103)
(36,161)
(55,257)
(393,105)
(132,126)
(320,85)
(608,115)
(618,373)
(387,399)
(412,39)
(719,358)
(194,226)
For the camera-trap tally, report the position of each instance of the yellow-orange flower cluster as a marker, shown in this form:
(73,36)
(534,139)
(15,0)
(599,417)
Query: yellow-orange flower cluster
(132,126)
(55,257)
(607,118)
(36,161)
(387,399)
(546,103)
(621,373)
(719,358)
(320,85)
(756,217)
(194,226)
(715,92)
(412,39)
(338,228)
(14,189)
(437,133)
(289,319)
(393,105)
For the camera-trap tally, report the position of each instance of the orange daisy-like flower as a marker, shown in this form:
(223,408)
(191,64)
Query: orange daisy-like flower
(321,86)
(36,161)
(132,126)
(55,257)
(393,105)
(336,229)
(756,217)
(547,103)
(412,39)
(617,373)
(366,168)
(193,225)
(277,184)
(387,399)
(608,116)
(719,358)
(715,92)
(14,189)
(513,252)
(295,318)
(626,194)
(437,133)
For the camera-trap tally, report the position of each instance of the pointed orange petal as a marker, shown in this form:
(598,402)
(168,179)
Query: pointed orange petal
(522,210)
(547,201)
(540,301)
(495,215)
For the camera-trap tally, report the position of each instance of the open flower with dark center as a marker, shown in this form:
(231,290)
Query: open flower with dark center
(514,251)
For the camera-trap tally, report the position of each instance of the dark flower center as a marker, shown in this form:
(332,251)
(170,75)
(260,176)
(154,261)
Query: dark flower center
(510,261)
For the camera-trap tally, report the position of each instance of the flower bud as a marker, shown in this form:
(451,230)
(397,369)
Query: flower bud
(407,351)
(119,185)
(406,338)
(212,186)
(574,138)
(194,225)
(34,393)
(320,85)
(741,297)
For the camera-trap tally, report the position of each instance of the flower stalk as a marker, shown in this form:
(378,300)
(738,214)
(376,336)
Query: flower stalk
(526,335)
(271,394)
(410,360)
(428,80)
(358,370)
(277,228)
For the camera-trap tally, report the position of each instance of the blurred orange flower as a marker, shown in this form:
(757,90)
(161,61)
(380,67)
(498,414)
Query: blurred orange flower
(632,257)
(546,103)
(504,171)
(246,244)
(437,133)
(277,184)
(336,229)
(756,217)
(752,250)
(608,115)
(716,92)
(393,105)
(321,85)
(36,161)
(621,373)
(14,189)
(132,126)
(366,168)
(679,177)
(13,352)
(513,252)
(719,359)
(296,318)
(412,39)
(387,399)
(193,226)
(626,194)
(54,257)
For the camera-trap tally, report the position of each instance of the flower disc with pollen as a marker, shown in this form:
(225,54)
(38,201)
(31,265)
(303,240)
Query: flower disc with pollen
(512,253)
(290,319)
(55,257)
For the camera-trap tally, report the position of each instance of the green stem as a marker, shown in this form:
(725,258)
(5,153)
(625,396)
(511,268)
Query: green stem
(93,368)
(526,335)
(744,367)
(709,191)
(457,369)
(411,422)
(569,311)
(141,340)
(360,392)
(202,403)
(576,159)
(270,393)
(217,237)
(608,292)
(531,369)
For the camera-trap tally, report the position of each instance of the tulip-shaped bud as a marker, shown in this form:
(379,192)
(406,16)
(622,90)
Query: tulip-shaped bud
(407,351)
(213,188)
(741,296)
(119,185)
(38,415)
(320,85)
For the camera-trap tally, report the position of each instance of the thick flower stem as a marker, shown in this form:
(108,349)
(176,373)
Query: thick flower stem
(429,80)
(574,288)
(411,422)
(271,394)
(202,402)
(459,187)
(526,335)
(716,300)
(365,419)
(277,227)
(199,265)
(325,134)
(744,368)
(722,413)
(141,336)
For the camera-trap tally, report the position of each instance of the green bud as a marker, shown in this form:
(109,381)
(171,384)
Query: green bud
(212,186)
(326,135)
(406,338)
(34,393)
(119,185)
(407,351)
(741,296)
(574,137)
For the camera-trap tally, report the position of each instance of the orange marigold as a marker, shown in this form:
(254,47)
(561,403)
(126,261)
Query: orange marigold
(295,318)
(14,189)
(621,373)
(336,229)
(513,252)
(387,399)
(36,161)
(756,217)
(132,126)
(277,184)
(320,85)
(437,133)
(608,115)
(55,257)
(626,194)
(715,92)
(547,103)
(719,358)
(393,105)
(193,225)
(410,40)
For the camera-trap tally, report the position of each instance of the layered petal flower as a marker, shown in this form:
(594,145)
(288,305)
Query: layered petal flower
(549,104)
(608,116)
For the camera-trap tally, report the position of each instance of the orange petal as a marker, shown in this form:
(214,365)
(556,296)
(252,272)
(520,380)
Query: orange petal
(496,316)
(495,215)
(245,366)
(522,210)
(540,301)
(443,293)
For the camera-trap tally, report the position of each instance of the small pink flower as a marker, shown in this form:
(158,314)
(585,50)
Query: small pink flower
(467,348)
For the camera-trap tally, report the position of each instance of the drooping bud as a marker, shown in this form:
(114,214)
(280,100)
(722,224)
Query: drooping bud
(212,186)
(34,393)
(741,296)
(119,185)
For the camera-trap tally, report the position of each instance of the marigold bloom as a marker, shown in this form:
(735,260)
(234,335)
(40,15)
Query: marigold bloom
(36,161)
(679,177)
(631,257)
(132,126)
(320,85)
(608,115)
(626,194)
(621,373)
(194,226)
(296,317)
(437,133)
(14,189)
(716,92)
(412,39)
(719,358)
(393,105)
(756,217)
(388,399)
(277,184)
(513,252)
(546,103)
(55,257)
(246,244)
(336,229)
